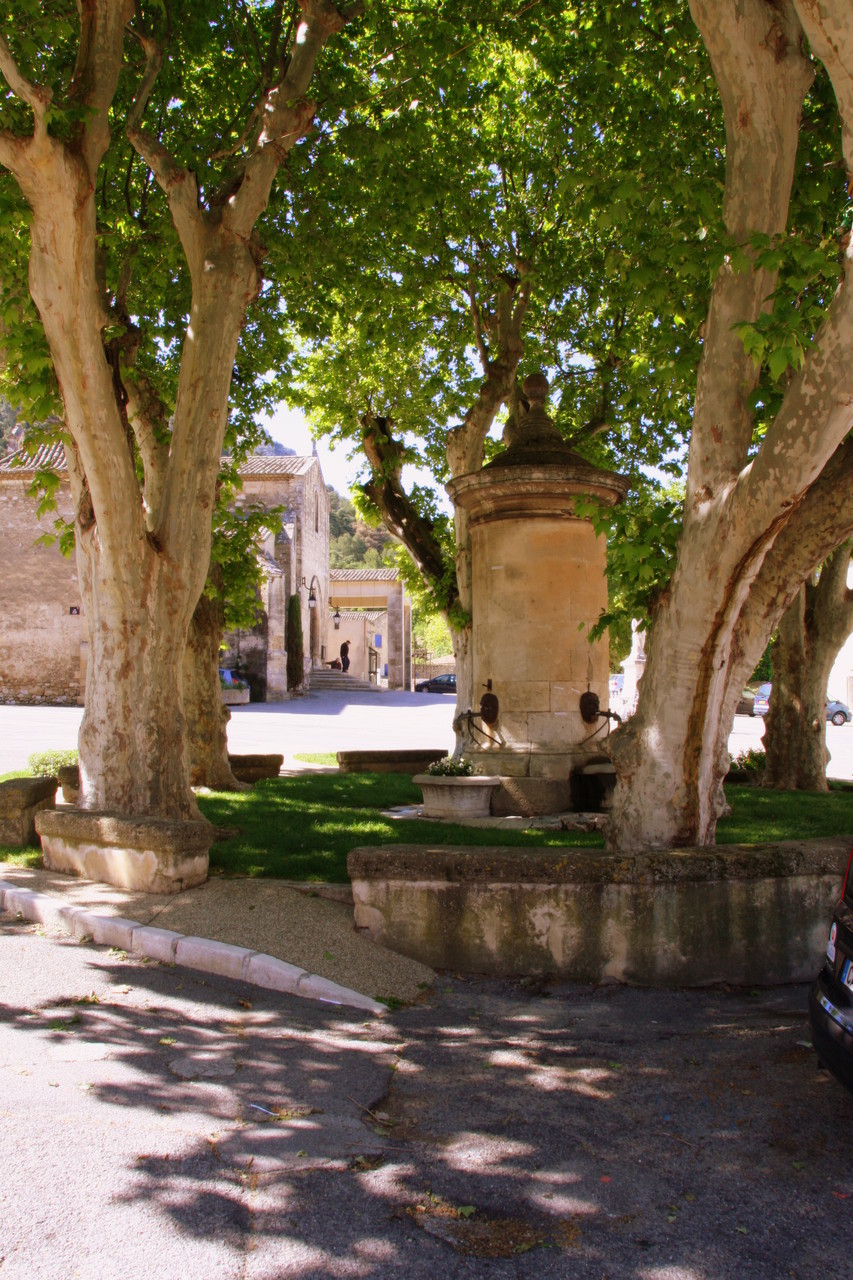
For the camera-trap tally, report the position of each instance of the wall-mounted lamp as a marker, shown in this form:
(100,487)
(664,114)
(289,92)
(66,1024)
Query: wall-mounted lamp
(336,619)
(312,599)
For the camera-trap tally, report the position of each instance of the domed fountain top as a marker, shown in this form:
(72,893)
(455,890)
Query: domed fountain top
(535,440)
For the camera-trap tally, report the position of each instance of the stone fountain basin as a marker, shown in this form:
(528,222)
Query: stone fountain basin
(740,914)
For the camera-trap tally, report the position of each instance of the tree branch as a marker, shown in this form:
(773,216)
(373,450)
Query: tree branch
(178,182)
(830,32)
(479,337)
(762,75)
(96,72)
(823,520)
(285,112)
(37,97)
(153,63)
(402,518)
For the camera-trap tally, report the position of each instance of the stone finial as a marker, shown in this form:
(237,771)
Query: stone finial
(535,439)
(536,388)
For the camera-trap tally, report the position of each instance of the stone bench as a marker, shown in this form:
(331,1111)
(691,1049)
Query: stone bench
(399,761)
(20,800)
(152,855)
(253,768)
(742,914)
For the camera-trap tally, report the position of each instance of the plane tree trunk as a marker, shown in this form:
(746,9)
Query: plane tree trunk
(207,715)
(810,633)
(143,548)
(671,757)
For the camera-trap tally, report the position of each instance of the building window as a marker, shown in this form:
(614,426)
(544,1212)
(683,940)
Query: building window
(316,512)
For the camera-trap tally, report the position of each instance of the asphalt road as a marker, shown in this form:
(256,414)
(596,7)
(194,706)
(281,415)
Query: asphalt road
(157,1124)
(336,722)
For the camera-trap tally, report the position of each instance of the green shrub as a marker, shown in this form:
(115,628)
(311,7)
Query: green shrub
(293,643)
(46,764)
(751,761)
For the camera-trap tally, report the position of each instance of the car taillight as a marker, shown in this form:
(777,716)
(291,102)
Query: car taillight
(847,881)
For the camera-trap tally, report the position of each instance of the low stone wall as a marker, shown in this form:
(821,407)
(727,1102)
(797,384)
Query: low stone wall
(254,768)
(20,800)
(148,854)
(739,914)
(401,761)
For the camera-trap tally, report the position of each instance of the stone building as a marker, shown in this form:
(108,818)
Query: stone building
(295,561)
(42,629)
(43,642)
(372,611)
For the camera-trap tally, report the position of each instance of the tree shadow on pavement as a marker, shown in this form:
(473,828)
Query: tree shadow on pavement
(500,1129)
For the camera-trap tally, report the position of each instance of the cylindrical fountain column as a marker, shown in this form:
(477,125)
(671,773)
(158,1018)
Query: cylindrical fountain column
(538,585)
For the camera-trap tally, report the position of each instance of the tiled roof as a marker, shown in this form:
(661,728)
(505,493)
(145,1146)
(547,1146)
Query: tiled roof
(49,457)
(362,575)
(372,615)
(52,457)
(271,565)
(265,465)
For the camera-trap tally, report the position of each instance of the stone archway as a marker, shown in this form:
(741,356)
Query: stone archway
(382,590)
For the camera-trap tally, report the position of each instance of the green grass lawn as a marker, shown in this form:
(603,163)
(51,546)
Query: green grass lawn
(302,827)
(785,815)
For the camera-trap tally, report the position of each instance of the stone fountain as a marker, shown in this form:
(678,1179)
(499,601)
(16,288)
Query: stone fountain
(538,585)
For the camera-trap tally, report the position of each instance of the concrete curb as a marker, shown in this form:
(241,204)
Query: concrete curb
(221,958)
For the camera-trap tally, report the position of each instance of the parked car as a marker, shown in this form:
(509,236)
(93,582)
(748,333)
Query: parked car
(228,680)
(761,702)
(438,684)
(831,997)
(837,712)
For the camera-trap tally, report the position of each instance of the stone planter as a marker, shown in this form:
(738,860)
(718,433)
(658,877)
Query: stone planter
(451,797)
(153,855)
(236,697)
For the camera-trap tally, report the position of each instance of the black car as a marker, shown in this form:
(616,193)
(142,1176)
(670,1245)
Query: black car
(831,997)
(438,684)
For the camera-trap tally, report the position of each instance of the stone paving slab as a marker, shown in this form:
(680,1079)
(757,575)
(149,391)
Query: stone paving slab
(258,931)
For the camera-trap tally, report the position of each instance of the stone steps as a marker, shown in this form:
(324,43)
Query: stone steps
(321,680)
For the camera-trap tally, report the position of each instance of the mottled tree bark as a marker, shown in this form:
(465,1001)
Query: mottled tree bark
(143,551)
(810,633)
(207,715)
(671,757)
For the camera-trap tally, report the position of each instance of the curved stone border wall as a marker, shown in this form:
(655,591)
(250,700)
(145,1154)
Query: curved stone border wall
(743,914)
(152,855)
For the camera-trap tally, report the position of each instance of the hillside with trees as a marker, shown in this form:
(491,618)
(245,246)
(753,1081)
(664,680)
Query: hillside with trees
(352,543)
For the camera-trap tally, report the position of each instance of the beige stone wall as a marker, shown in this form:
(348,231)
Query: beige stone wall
(40,640)
(535,582)
(305,495)
(43,645)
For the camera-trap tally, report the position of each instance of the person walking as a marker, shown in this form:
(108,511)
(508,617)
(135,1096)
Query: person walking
(345,655)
